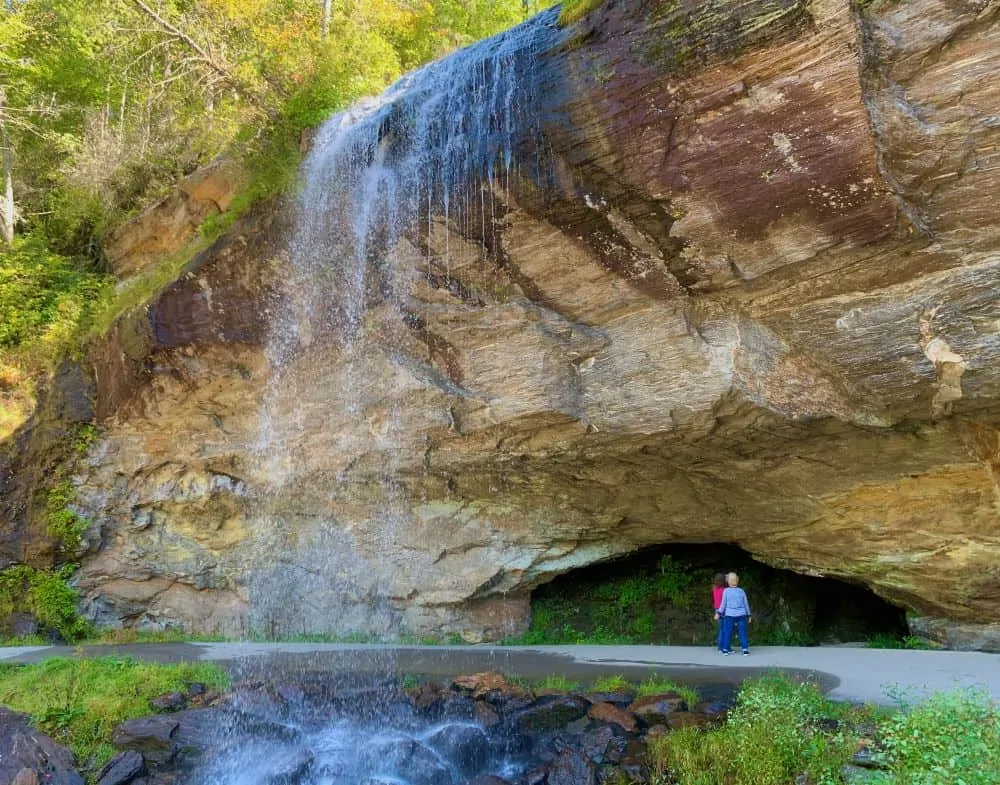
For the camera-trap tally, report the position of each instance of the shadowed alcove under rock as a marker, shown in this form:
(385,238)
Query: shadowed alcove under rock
(663,595)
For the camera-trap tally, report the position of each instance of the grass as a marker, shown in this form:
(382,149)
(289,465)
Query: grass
(80,702)
(656,685)
(616,683)
(558,682)
(890,641)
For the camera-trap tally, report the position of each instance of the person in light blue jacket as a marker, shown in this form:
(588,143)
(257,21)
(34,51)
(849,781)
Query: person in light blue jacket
(734,612)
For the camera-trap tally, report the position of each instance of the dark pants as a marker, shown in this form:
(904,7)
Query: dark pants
(721,624)
(740,623)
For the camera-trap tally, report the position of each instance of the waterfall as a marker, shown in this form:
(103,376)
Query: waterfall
(386,185)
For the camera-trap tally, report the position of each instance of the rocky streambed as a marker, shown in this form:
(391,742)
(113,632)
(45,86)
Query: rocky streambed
(372,730)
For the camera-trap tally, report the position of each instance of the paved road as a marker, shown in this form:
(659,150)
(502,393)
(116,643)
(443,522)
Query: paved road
(852,674)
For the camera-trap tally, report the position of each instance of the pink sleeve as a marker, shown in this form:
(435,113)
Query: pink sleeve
(717,596)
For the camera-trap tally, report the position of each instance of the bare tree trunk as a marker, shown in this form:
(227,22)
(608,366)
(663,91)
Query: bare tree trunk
(326,17)
(7,203)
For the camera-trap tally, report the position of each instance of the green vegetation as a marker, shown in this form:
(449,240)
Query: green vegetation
(557,682)
(772,736)
(890,641)
(783,731)
(656,685)
(665,598)
(572,11)
(105,106)
(79,702)
(46,595)
(951,737)
(616,683)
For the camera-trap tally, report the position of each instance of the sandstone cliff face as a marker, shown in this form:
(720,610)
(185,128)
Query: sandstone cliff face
(757,304)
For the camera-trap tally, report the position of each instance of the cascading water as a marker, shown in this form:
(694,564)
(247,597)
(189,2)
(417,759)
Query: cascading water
(435,146)
(383,182)
(387,183)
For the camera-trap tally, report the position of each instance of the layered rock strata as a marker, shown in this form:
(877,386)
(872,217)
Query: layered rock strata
(757,304)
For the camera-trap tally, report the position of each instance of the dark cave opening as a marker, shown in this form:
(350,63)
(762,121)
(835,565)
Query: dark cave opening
(663,595)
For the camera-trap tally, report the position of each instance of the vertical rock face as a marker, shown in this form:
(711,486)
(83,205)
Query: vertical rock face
(739,285)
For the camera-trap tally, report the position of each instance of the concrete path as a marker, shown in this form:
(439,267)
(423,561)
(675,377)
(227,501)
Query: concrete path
(851,674)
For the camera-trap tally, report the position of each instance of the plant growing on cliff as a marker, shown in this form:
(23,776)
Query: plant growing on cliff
(63,525)
(46,595)
(572,11)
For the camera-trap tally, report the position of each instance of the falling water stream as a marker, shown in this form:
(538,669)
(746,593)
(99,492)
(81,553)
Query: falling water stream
(435,150)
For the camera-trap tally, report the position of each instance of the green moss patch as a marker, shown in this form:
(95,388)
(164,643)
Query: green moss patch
(572,11)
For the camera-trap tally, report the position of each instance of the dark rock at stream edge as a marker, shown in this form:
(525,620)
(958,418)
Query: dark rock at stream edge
(656,709)
(28,756)
(122,769)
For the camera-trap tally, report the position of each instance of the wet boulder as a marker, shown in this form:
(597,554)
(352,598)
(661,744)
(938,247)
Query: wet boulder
(122,769)
(407,759)
(150,736)
(655,709)
(572,768)
(464,744)
(551,713)
(608,713)
(288,767)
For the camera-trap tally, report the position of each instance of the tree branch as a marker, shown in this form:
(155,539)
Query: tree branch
(203,55)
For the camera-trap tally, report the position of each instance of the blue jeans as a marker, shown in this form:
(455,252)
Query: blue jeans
(721,624)
(740,622)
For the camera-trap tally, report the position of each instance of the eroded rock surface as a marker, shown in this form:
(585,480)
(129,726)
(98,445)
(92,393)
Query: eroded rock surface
(756,304)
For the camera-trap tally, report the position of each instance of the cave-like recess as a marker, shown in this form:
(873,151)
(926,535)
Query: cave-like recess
(663,595)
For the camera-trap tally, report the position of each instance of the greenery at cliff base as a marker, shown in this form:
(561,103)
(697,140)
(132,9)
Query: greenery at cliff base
(79,702)
(782,731)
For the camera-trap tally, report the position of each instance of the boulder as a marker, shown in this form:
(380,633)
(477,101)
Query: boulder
(150,736)
(29,757)
(122,769)
(657,709)
(609,713)
(172,701)
(550,713)
(572,768)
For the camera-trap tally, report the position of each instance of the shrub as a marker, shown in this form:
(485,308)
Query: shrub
(61,523)
(952,737)
(771,737)
(46,595)
(43,297)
